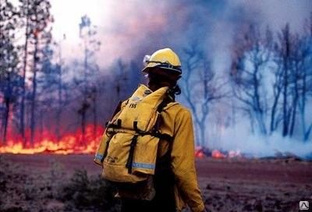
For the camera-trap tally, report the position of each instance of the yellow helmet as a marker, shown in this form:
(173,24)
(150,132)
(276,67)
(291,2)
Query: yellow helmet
(165,59)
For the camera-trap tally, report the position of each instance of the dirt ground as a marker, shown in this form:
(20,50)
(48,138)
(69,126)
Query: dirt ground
(236,184)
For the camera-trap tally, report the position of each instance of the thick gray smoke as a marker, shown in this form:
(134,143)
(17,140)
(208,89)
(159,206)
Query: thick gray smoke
(130,29)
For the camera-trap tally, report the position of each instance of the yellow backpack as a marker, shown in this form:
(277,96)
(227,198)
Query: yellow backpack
(128,149)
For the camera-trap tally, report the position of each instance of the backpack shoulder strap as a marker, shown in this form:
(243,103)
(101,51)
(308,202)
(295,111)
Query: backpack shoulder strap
(164,103)
(159,121)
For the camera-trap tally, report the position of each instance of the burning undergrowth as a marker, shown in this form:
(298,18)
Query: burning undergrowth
(87,143)
(204,152)
(70,143)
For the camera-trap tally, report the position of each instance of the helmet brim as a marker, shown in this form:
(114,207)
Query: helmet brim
(176,70)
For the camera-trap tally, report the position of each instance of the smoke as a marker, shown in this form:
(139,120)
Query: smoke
(276,13)
(131,29)
(240,139)
(128,30)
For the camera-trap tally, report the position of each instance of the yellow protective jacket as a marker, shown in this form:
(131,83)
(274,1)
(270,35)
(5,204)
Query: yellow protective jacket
(177,121)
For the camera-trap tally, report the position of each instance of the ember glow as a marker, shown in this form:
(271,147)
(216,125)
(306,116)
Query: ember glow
(217,154)
(203,152)
(71,143)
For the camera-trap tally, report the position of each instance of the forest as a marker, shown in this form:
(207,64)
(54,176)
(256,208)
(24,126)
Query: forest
(45,95)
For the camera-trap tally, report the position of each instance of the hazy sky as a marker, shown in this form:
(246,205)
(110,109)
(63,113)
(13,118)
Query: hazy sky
(132,28)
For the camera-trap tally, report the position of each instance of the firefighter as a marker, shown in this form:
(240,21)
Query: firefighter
(175,178)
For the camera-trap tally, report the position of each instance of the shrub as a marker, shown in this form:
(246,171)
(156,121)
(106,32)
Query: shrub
(88,193)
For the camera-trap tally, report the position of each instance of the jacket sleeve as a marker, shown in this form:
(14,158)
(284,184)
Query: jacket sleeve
(183,161)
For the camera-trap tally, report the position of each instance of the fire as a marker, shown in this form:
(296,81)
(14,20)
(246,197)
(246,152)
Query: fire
(77,143)
(202,152)
(72,143)
(217,154)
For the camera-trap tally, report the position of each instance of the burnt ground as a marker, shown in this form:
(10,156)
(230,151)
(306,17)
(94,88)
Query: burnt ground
(32,182)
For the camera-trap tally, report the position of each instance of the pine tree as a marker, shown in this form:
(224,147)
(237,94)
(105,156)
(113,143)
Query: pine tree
(37,35)
(9,78)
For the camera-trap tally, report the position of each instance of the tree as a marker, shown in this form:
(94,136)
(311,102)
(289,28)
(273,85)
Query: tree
(37,36)
(272,79)
(24,12)
(200,87)
(9,78)
(305,84)
(87,75)
(53,90)
(251,57)
(284,49)
(293,54)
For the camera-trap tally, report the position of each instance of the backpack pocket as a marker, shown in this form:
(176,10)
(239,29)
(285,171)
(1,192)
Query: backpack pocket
(144,161)
(130,157)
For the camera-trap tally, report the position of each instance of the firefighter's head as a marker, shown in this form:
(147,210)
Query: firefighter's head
(163,68)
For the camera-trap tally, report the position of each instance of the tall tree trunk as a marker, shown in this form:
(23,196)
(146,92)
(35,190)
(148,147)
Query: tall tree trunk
(307,133)
(59,109)
(302,105)
(6,119)
(295,103)
(285,87)
(202,129)
(293,120)
(22,106)
(41,117)
(83,126)
(34,94)
(273,111)
(258,107)
(7,99)
(94,113)
(85,93)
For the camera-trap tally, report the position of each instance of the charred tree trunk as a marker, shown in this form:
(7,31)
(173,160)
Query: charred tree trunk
(285,111)
(286,57)
(41,118)
(295,101)
(83,127)
(6,119)
(94,113)
(258,108)
(34,93)
(85,94)
(302,107)
(59,109)
(277,95)
(22,106)
(277,92)
(83,111)
(7,100)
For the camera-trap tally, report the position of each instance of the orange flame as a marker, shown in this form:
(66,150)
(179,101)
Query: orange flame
(217,154)
(71,143)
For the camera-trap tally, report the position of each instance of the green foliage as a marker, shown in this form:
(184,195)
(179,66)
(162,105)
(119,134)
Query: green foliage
(88,193)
